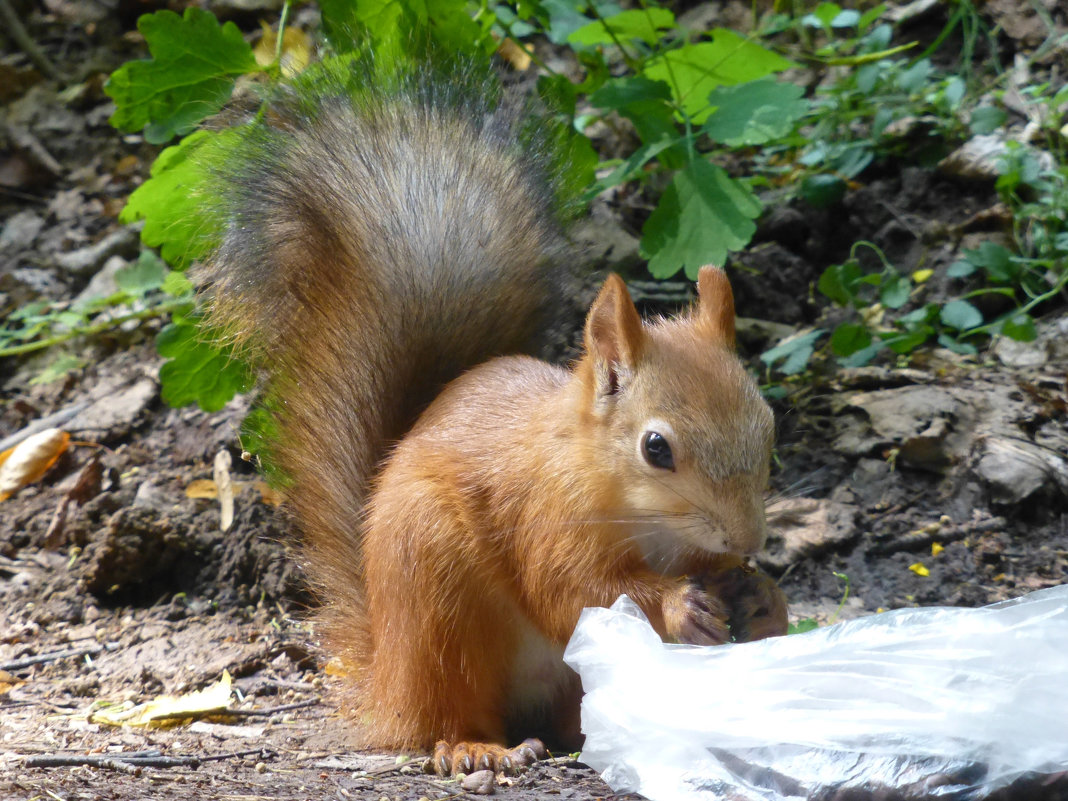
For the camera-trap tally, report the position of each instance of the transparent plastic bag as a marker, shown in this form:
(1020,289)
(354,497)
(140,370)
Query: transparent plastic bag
(914,703)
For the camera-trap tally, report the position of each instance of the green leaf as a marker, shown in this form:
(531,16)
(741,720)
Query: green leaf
(794,352)
(996,261)
(848,338)
(962,348)
(197,371)
(172,201)
(1019,327)
(143,275)
(647,105)
(643,24)
(189,77)
(895,292)
(961,315)
(910,340)
(755,112)
(803,625)
(822,190)
(987,119)
(960,269)
(619,93)
(838,282)
(340,23)
(693,71)
(177,285)
(702,215)
(58,369)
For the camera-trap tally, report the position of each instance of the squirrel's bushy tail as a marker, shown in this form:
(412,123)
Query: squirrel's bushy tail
(375,244)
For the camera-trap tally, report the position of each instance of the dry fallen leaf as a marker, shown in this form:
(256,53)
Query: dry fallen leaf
(296,50)
(202,488)
(169,709)
(514,55)
(30,459)
(8,681)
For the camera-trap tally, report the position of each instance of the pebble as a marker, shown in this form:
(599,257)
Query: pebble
(481,782)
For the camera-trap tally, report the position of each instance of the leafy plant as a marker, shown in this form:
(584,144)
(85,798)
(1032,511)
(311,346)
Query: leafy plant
(147,289)
(686,94)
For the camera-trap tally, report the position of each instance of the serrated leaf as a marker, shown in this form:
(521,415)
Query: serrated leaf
(189,77)
(755,112)
(197,371)
(702,215)
(172,202)
(693,71)
(961,315)
(643,24)
(143,275)
(618,93)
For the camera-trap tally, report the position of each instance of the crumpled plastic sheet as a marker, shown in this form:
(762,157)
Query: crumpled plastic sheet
(944,703)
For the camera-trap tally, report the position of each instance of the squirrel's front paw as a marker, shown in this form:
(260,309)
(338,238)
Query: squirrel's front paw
(756,606)
(693,616)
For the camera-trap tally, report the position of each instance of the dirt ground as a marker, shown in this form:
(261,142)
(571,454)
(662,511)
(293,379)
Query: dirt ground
(940,481)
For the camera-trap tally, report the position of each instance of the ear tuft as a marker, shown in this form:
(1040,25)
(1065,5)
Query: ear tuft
(613,335)
(715,310)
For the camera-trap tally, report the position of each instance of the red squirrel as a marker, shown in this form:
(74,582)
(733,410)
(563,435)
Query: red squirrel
(458,508)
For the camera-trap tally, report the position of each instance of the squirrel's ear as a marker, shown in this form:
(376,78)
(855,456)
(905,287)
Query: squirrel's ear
(613,335)
(715,310)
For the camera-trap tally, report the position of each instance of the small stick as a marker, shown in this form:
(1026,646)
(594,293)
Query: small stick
(27,661)
(51,421)
(253,713)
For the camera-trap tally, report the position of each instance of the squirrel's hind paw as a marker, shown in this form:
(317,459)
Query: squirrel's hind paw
(448,759)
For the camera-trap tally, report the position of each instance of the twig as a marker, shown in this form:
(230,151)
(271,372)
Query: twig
(23,39)
(135,760)
(28,661)
(274,710)
(50,421)
(914,540)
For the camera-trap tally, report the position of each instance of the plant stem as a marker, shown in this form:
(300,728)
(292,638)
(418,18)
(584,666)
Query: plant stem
(96,328)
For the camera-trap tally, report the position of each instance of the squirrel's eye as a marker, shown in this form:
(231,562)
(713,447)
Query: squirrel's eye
(656,451)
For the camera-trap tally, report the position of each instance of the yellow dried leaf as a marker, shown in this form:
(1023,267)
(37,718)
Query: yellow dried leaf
(936,548)
(8,681)
(30,459)
(202,488)
(514,55)
(169,709)
(268,494)
(919,569)
(296,50)
(335,667)
(921,276)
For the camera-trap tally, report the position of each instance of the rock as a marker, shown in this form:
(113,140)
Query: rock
(1021,354)
(1014,470)
(604,242)
(481,782)
(916,420)
(21,230)
(103,283)
(85,260)
(803,527)
(116,411)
